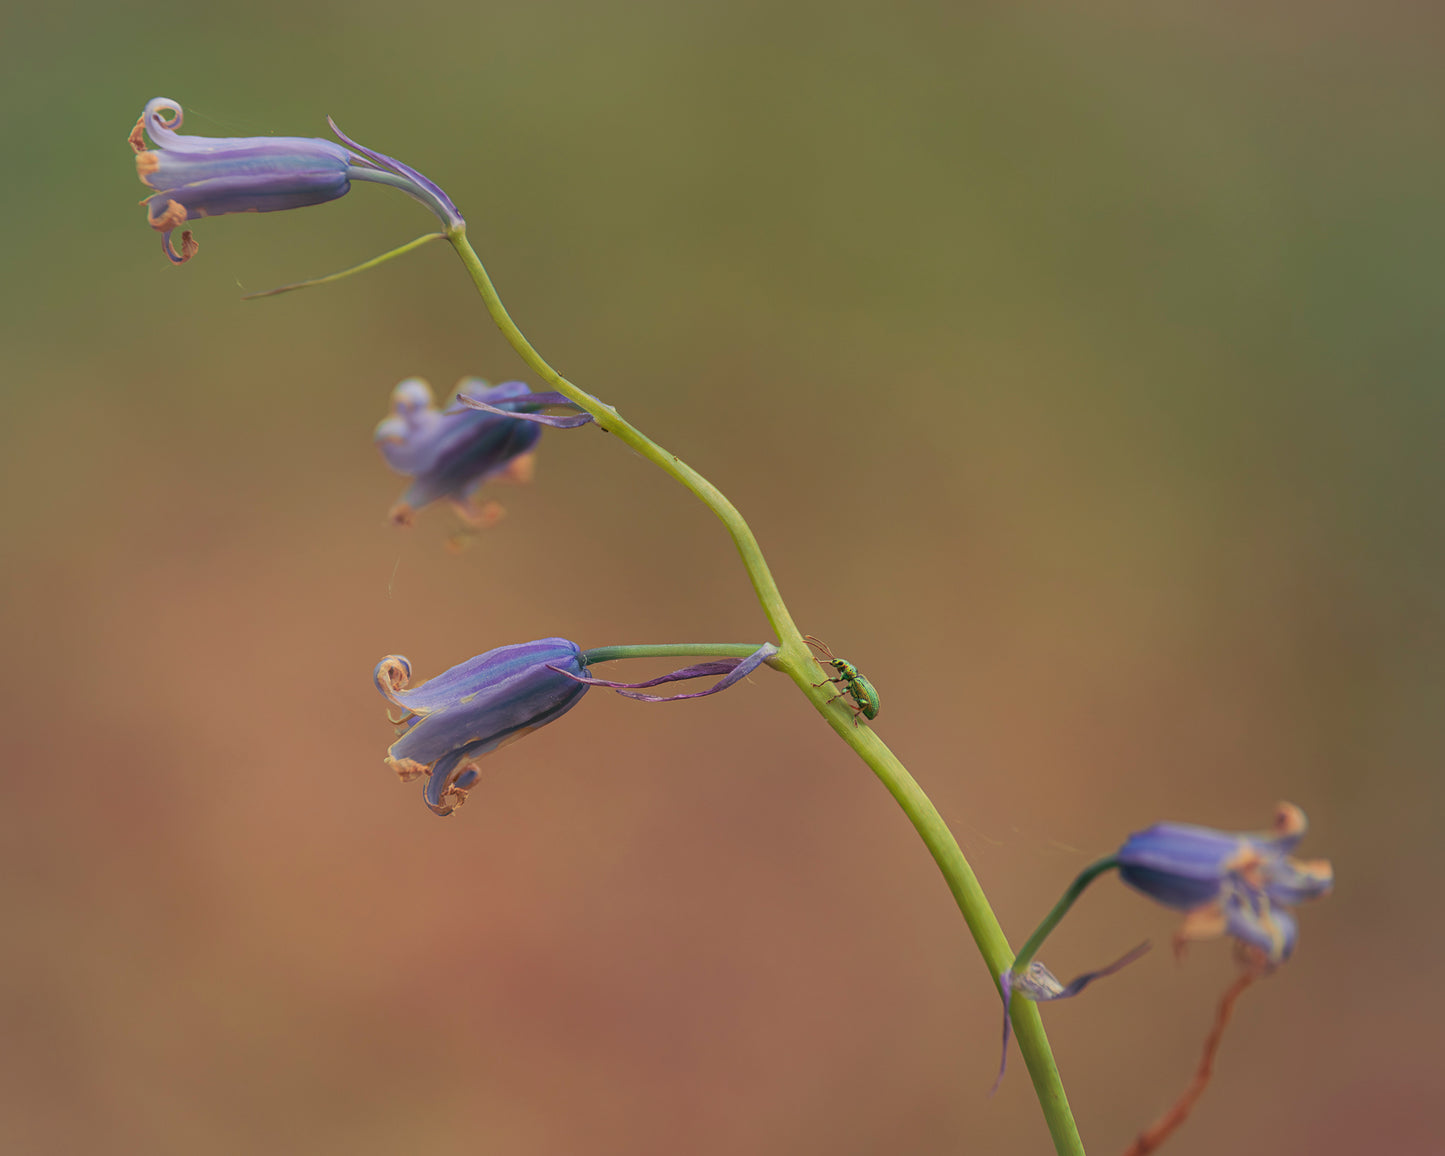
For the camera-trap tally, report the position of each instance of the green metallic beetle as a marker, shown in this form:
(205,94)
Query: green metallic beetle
(858,688)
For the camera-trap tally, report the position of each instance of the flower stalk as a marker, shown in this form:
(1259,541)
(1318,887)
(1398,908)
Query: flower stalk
(795,660)
(1060,909)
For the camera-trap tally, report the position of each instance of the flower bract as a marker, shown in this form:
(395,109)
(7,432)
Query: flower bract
(1037,983)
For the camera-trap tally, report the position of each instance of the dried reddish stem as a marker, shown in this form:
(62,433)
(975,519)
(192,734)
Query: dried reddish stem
(1152,1137)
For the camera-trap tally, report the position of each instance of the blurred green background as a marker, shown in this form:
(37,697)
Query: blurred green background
(1079,370)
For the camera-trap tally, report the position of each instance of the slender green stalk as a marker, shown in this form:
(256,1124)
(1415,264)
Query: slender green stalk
(797,662)
(670,650)
(608,419)
(982,924)
(1060,909)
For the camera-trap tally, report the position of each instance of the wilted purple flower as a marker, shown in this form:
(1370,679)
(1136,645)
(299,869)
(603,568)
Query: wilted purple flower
(1241,884)
(496,698)
(196,176)
(449,453)
(1036,982)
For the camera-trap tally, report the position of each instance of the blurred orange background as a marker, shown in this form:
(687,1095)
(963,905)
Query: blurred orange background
(1079,371)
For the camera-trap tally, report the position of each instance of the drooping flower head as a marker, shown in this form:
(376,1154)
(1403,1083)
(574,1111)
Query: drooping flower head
(488,432)
(449,453)
(1241,884)
(496,698)
(473,709)
(195,176)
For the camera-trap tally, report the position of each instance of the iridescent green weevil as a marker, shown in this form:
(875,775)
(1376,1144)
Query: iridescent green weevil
(853,684)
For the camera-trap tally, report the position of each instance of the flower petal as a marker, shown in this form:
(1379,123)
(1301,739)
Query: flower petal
(1253,920)
(448,454)
(1180,865)
(1292,881)
(447,787)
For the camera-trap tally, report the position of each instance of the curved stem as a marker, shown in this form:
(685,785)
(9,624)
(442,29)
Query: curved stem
(609,420)
(982,924)
(1060,909)
(795,659)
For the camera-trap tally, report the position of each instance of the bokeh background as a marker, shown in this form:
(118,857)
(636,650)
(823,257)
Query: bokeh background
(1079,368)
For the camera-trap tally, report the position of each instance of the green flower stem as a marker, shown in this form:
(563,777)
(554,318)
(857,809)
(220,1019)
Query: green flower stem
(1060,909)
(790,640)
(982,924)
(795,659)
(671,650)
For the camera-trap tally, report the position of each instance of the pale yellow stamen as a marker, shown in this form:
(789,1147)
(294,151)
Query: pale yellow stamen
(407,769)
(521,469)
(1206,922)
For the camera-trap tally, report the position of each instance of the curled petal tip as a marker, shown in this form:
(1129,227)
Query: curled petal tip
(165,216)
(137,138)
(450,781)
(391,675)
(189,247)
(155,117)
(1289,821)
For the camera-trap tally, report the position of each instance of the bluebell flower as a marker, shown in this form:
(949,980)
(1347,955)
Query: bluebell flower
(449,453)
(208,176)
(473,709)
(195,176)
(488,432)
(496,698)
(1240,884)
